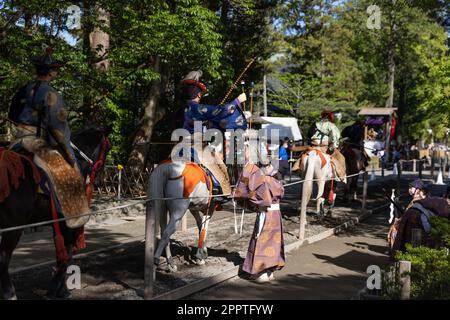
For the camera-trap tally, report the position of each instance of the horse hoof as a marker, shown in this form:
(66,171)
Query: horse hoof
(172,268)
(58,296)
(200,262)
(14,297)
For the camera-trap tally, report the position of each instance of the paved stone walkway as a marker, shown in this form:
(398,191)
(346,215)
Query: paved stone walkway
(334,268)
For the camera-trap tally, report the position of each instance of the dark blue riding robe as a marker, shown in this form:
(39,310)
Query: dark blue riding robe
(54,124)
(222,117)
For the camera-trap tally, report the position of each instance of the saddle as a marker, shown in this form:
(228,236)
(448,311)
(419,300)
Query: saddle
(214,168)
(337,161)
(298,165)
(59,179)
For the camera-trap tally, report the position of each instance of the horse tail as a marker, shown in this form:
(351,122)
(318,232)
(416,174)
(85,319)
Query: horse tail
(156,186)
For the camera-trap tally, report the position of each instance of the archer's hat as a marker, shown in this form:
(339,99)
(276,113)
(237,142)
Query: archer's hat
(46,60)
(327,114)
(192,84)
(418,184)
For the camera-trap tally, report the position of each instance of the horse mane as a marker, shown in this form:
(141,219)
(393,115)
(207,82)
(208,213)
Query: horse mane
(89,131)
(88,139)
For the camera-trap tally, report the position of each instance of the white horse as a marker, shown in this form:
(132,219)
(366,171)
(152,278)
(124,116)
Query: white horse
(317,167)
(185,185)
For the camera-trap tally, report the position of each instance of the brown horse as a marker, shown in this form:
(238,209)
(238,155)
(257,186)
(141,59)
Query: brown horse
(355,162)
(24,206)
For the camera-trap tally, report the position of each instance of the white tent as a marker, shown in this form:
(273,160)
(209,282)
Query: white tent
(288,127)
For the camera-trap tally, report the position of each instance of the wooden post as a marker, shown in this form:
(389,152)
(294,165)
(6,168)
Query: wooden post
(364,195)
(290,167)
(445,166)
(150,237)
(432,166)
(420,168)
(302,229)
(119,187)
(414,165)
(399,177)
(405,280)
(382,169)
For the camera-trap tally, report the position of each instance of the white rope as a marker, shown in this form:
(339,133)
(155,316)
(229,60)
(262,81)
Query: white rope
(235,217)
(103,211)
(242,222)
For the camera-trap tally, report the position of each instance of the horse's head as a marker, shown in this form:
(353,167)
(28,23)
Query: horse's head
(94,143)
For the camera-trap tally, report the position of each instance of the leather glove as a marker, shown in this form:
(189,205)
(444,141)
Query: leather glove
(242,97)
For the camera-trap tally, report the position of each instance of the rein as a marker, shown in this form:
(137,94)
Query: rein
(96,166)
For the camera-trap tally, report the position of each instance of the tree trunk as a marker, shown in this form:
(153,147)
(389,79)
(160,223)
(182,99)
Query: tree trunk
(28,22)
(391,60)
(151,116)
(224,13)
(99,40)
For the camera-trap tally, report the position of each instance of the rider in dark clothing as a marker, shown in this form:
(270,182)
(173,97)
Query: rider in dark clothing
(354,133)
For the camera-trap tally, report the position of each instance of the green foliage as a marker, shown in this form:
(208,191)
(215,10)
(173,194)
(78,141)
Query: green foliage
(216,36)
(430,272)
(430,267)
(440,230)
(319,53)
(332,57)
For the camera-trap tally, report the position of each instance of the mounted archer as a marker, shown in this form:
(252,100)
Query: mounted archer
(221,117)
(190,183)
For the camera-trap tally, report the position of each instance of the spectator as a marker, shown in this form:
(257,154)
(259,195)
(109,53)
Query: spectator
(283,157)
(396,155)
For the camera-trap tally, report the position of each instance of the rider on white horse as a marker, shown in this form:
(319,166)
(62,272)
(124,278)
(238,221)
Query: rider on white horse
(221,117)
(326,136)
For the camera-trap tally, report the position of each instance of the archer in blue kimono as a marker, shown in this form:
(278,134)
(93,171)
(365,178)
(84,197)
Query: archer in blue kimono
(221,117)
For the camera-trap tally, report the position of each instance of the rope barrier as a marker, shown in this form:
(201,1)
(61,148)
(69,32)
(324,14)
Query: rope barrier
(104,211)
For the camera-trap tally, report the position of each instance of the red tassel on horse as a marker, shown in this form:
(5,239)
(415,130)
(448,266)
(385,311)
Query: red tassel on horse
(61,252)
(80,242)
(331,196)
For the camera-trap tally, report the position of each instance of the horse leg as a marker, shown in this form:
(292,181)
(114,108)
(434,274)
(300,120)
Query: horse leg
(354,187)
(177,209)
(321,184)
(8,244)
(202,251)
(58,284)
(348,190)
(198,219)
(170,263)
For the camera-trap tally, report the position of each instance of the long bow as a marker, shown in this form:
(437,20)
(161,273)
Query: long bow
(238,79)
